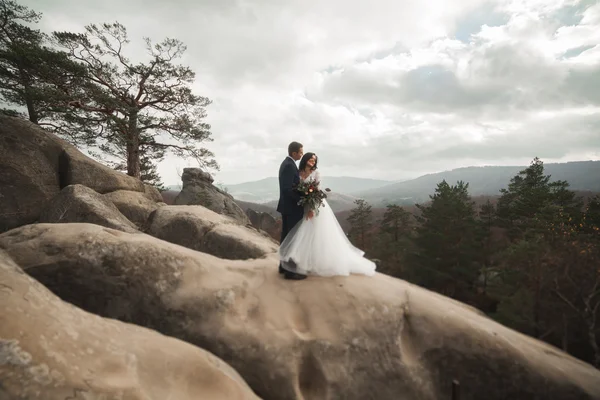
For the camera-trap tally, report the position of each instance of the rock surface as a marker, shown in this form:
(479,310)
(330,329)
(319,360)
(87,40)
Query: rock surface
(201,229)
(28,172)
(153,193)
(265,222)
(51,350)
(135,206)
(77,203)
(322,338)
(198,189)
(35,165)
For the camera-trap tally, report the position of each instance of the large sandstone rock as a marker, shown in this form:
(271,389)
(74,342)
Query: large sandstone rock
(153,193)
(77,203)
(322,338)
(198,189)
(51,350)
(28,171)
(264,222)
(201,229)
(135,206)
(35,165)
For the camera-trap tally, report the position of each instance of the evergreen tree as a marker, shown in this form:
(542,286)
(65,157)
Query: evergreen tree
(148,171)
(531,208)
(360,220)
(393,239)
(487,219)
(531,197)
(32,74)
(126,107)
(396,222)
(445,257)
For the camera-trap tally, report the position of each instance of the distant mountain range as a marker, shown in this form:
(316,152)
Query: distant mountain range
(483,181)
(267,190)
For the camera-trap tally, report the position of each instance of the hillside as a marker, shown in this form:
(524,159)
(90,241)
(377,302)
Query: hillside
(483,181)
(263,195)
(267,190)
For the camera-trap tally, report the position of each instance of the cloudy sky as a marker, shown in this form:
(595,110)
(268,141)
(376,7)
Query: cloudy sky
(382,88)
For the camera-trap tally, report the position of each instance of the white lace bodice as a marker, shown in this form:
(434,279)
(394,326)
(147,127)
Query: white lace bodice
(315,175)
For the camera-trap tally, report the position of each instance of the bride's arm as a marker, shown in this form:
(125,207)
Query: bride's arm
(317,177)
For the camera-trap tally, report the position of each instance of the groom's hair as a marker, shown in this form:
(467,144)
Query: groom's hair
(294,147)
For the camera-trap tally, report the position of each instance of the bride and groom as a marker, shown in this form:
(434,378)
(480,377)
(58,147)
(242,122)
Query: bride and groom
(312,241)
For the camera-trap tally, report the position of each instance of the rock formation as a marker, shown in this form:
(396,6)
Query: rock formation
(78,203)
(135,206)
(331,338)
(201,229)
(51,350)
(216,286)
(265,222)
(35,165)
(198,189)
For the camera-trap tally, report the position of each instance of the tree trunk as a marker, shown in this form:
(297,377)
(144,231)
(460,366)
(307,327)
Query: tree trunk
(133,146)
(537,301)
(591,325)
(565,335)
(33,117)
(31,111)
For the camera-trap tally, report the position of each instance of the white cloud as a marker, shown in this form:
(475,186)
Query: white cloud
(378,89)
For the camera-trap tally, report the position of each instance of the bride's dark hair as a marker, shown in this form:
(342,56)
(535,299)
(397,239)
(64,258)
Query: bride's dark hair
(304,160)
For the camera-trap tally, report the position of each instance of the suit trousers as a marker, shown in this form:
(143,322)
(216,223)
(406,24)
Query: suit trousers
(288,221)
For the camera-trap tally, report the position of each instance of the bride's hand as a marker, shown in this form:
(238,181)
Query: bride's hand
(310,214)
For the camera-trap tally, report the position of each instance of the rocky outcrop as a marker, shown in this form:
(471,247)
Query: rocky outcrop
(264,222)
(28,171)
(153,193)
(169,196)
(322,338)
(201,229)
(136,206)
(51,350)
(198,189)
(35,165)
(77,203)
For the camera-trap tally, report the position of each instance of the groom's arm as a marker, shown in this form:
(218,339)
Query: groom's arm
(287,182)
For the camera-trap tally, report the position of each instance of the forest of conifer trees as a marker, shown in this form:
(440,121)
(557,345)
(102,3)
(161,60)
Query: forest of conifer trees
(530,260)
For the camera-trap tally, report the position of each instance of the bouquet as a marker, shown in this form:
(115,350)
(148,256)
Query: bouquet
(311,196)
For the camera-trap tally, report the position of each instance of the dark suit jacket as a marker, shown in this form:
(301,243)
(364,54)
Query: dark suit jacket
(289,177)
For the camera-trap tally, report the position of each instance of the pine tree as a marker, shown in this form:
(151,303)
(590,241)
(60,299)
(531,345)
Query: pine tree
(393,239)
(445,257)
(530,208)
(148,171)
(126,107)
(32,74)
(396,222)
(360,220)
(531,197)
(487,219)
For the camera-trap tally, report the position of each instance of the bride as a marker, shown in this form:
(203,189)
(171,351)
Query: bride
(317,245)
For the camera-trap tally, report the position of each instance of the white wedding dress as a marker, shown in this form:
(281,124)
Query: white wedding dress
(319,246)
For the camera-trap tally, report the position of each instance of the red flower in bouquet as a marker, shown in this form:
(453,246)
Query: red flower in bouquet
(311,195)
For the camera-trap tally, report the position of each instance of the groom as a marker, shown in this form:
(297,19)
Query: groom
(291,212)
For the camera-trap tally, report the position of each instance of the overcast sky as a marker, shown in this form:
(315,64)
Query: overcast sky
(382,88)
